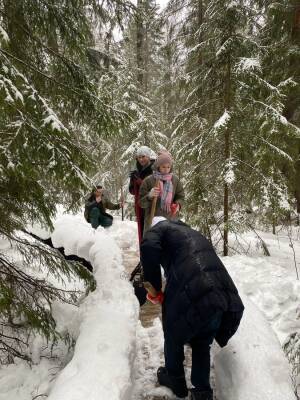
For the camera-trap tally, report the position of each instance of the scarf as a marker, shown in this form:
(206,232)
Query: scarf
(166,190)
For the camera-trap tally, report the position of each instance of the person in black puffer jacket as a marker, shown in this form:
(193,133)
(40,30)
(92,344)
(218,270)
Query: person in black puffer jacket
(200,302)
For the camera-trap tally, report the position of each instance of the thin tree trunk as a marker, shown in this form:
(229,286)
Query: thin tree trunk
(139,42)
(296,41)
(292,102)
(274,226)
(142,52)
(227,104)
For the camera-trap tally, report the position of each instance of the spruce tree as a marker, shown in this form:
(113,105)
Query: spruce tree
(48,94)
(232,119)
(132,85)
(281,37)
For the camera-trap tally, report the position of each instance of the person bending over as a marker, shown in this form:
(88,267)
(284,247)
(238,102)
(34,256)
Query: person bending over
(200,302)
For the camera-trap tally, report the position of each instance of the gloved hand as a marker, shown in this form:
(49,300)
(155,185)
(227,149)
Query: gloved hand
(158,299)
(174,208)
(133,174)
(154,192)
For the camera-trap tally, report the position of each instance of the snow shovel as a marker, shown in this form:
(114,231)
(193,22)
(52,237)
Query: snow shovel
(153,204)
(122,201)
(136,276)
(147,285)
(138,268)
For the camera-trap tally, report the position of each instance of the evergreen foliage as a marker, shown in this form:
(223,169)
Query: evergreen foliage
(214,81)
(48,94)
(281,38)
(132,85)
(230,129)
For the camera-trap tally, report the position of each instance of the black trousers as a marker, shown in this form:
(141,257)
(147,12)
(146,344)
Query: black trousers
(200,344)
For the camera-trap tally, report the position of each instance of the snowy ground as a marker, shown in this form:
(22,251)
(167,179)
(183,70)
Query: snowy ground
(270,282)
(115,358)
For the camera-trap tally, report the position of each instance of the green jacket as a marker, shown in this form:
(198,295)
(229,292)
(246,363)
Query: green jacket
(103,205)
(145,202)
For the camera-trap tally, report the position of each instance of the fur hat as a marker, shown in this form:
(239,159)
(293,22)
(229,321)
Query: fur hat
(143,151)
(164,157)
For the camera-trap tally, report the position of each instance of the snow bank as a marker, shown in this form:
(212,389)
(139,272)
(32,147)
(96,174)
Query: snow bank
(253,365)
(115,358)
(270,282)
(20,381)
(110,363)
(106,346)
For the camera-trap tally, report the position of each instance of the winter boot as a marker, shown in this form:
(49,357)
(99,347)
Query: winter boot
(176,384)
(201,395)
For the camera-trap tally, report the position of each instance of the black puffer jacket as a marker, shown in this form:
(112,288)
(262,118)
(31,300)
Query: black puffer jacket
(197,285)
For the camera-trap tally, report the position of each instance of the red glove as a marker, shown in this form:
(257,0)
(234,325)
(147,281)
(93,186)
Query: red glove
(174,208)
(159,298)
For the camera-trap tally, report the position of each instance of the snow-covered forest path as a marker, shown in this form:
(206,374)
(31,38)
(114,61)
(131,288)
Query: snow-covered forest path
(255,342)
(117,342)
(148,312)
(150,346)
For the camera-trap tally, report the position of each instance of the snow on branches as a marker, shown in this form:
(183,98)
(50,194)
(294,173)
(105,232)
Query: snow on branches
(3,36)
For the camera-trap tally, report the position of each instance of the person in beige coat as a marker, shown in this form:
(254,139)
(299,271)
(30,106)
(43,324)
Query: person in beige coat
(164,185)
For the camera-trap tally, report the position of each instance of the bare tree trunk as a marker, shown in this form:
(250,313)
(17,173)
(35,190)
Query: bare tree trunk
(292,103)
(296,41)
(274,226)
(227,104)
(139,42)
(142,51)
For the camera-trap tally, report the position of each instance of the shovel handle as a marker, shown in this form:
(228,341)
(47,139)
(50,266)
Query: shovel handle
(153,204)
(150,289)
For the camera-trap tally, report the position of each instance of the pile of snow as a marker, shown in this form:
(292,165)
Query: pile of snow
(270,282)
(104,325)
(106,346)
(20,381)
(24,381)
(116,358)
(253,366)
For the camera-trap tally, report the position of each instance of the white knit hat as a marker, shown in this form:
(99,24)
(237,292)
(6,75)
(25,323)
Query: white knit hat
(143,151)
(158,219)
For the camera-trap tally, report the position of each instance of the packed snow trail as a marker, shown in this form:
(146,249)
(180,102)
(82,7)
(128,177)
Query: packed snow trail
(116,358)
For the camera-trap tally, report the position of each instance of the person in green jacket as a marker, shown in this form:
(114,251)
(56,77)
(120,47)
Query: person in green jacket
(95,208)
(164,185)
